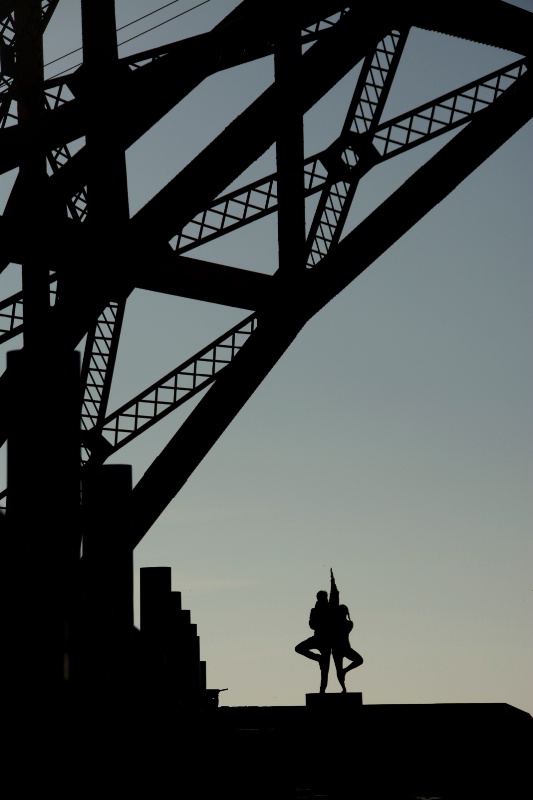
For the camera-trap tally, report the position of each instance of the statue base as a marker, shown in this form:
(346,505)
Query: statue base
(340,701)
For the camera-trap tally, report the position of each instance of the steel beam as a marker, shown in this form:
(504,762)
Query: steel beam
(254,131)
(290,145)
(206,281)
(285,317)
(420,193)
(496,23)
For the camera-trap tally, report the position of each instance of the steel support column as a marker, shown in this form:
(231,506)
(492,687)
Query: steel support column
(290,145)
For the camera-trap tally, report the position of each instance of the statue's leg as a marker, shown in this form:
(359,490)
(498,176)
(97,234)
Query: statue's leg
(324,659)
(338,659)
(355,660)
(305,648)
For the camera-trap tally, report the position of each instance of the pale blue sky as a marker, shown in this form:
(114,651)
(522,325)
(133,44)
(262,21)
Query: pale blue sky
(392,441)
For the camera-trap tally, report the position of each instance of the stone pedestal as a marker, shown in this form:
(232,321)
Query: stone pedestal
(339,701)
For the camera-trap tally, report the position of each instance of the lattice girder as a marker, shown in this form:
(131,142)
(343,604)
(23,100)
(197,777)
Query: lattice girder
(192,208)
(363,239)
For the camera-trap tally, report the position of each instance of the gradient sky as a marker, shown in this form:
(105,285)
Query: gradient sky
(391,442)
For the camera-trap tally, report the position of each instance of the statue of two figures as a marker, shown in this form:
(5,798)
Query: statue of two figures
(332,625)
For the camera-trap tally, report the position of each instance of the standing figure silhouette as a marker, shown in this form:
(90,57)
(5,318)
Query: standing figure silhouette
(340,628)
(319,621)
(340,645)
(332,626)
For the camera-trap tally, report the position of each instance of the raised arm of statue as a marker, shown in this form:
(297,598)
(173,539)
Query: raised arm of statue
(333,592)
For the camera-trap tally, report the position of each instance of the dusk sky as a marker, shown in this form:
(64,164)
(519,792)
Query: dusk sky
(391,442)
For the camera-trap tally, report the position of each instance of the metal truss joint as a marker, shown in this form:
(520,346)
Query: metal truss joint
(362,145)
(352,150)
(333,162)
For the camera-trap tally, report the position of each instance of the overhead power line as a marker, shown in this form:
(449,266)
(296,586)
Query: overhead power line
(127,25)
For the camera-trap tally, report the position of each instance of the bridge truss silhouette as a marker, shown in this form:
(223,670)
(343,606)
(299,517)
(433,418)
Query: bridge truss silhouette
(82,254)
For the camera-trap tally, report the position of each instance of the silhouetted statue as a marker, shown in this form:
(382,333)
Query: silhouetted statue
(319,621)
(340,645)
(332,626)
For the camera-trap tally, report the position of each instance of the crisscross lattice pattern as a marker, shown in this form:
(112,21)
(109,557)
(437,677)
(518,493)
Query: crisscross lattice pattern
(11,315)
(99,359)
(378,72)
(178,386)
(329,221)
(241,207)
(56,93)
(249,203)
(229,212)
(77,205)
(7,29)
(333,206)
(451,110)
(259,198)
(11,312)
